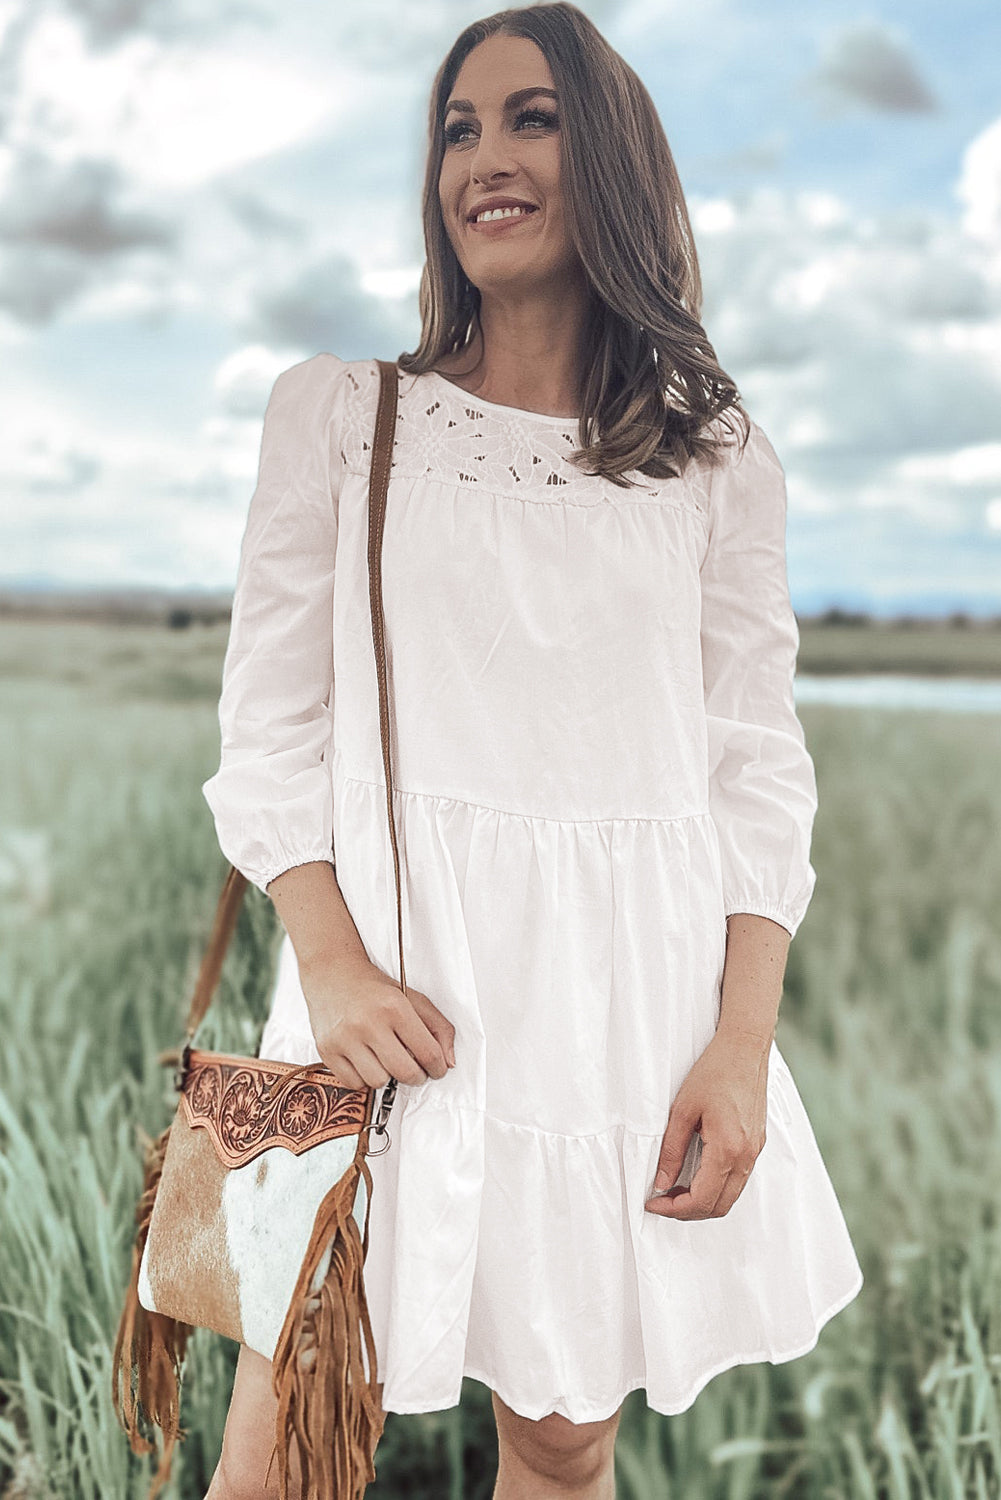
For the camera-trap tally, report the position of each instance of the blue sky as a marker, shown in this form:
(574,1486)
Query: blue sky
(194,197)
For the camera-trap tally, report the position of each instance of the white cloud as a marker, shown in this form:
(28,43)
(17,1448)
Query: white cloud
(712,216)
(870,334)
(401,282)
(172,116)
(244,379)
(979,191)
(980,464)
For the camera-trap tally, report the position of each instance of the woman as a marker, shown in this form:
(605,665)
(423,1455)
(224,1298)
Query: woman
(604,803)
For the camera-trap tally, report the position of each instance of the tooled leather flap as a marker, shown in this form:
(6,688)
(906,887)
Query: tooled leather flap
(247,1104)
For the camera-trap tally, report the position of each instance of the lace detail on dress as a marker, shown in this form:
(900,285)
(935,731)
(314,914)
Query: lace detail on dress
(441,430)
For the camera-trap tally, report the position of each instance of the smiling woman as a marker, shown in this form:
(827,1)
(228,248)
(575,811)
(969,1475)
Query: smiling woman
(589,304)
(602,1176)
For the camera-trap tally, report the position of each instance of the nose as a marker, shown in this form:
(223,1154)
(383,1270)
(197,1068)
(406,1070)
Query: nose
(491,156)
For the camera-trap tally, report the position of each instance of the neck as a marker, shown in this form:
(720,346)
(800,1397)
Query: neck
(527,352)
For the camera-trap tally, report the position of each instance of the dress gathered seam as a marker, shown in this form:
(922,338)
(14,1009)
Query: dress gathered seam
(528,817)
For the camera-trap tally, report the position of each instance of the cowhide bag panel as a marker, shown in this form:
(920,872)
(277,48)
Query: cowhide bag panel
(254,1147)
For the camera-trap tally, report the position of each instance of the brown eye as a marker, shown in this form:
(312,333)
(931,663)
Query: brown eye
(545,115)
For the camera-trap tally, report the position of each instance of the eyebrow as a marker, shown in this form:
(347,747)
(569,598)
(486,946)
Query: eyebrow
(465,106)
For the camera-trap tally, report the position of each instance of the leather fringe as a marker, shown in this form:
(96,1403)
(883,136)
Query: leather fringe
(148,1345)
(325,1401)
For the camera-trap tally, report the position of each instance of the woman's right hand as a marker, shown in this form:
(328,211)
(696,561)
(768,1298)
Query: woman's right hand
(368,1031)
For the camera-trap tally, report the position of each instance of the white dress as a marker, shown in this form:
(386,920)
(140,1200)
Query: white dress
(597,759)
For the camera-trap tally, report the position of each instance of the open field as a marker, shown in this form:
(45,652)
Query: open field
(890,1022)
(146,658)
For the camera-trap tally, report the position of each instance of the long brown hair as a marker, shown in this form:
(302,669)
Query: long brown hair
(652,379)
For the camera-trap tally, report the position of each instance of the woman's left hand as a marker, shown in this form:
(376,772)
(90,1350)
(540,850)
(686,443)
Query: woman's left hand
(725,1098)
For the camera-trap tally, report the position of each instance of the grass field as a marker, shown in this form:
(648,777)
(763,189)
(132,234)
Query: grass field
(890,1022)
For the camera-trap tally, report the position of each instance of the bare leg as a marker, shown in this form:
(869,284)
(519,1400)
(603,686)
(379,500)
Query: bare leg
(249,1437)
(553,1458)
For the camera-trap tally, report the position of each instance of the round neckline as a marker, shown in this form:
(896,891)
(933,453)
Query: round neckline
(518,411)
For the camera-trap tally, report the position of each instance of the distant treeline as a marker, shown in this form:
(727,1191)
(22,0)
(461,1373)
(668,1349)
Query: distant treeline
(956,619)
(176,609)
(179,610)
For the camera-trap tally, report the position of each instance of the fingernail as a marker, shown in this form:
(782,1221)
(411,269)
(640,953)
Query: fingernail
(662,1181)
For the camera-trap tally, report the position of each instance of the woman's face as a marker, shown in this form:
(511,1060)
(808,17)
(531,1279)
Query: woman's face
(499,146)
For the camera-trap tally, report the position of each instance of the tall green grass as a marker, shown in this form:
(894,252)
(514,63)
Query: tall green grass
(890,1021)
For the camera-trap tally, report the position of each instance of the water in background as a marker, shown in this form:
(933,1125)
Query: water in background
(878,690)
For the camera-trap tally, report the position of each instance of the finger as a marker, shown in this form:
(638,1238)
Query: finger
(366,1070)
(684,1203)
(400,1062)
(729,1195)
(439,1026)
(414,1035)
(735,1185)
(699,1200)
(680,1129)
(669,1162)
(677,1206)
(345,1073)
(370,1065)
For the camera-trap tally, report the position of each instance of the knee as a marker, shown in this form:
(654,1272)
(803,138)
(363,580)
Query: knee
(554,1448)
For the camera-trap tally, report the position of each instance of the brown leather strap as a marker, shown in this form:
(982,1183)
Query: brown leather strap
(227,911)
(235,883)
(382,459)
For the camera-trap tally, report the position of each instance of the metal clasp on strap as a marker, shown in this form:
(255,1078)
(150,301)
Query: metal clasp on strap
(179,1058)
(181,1071)
(379,1126)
